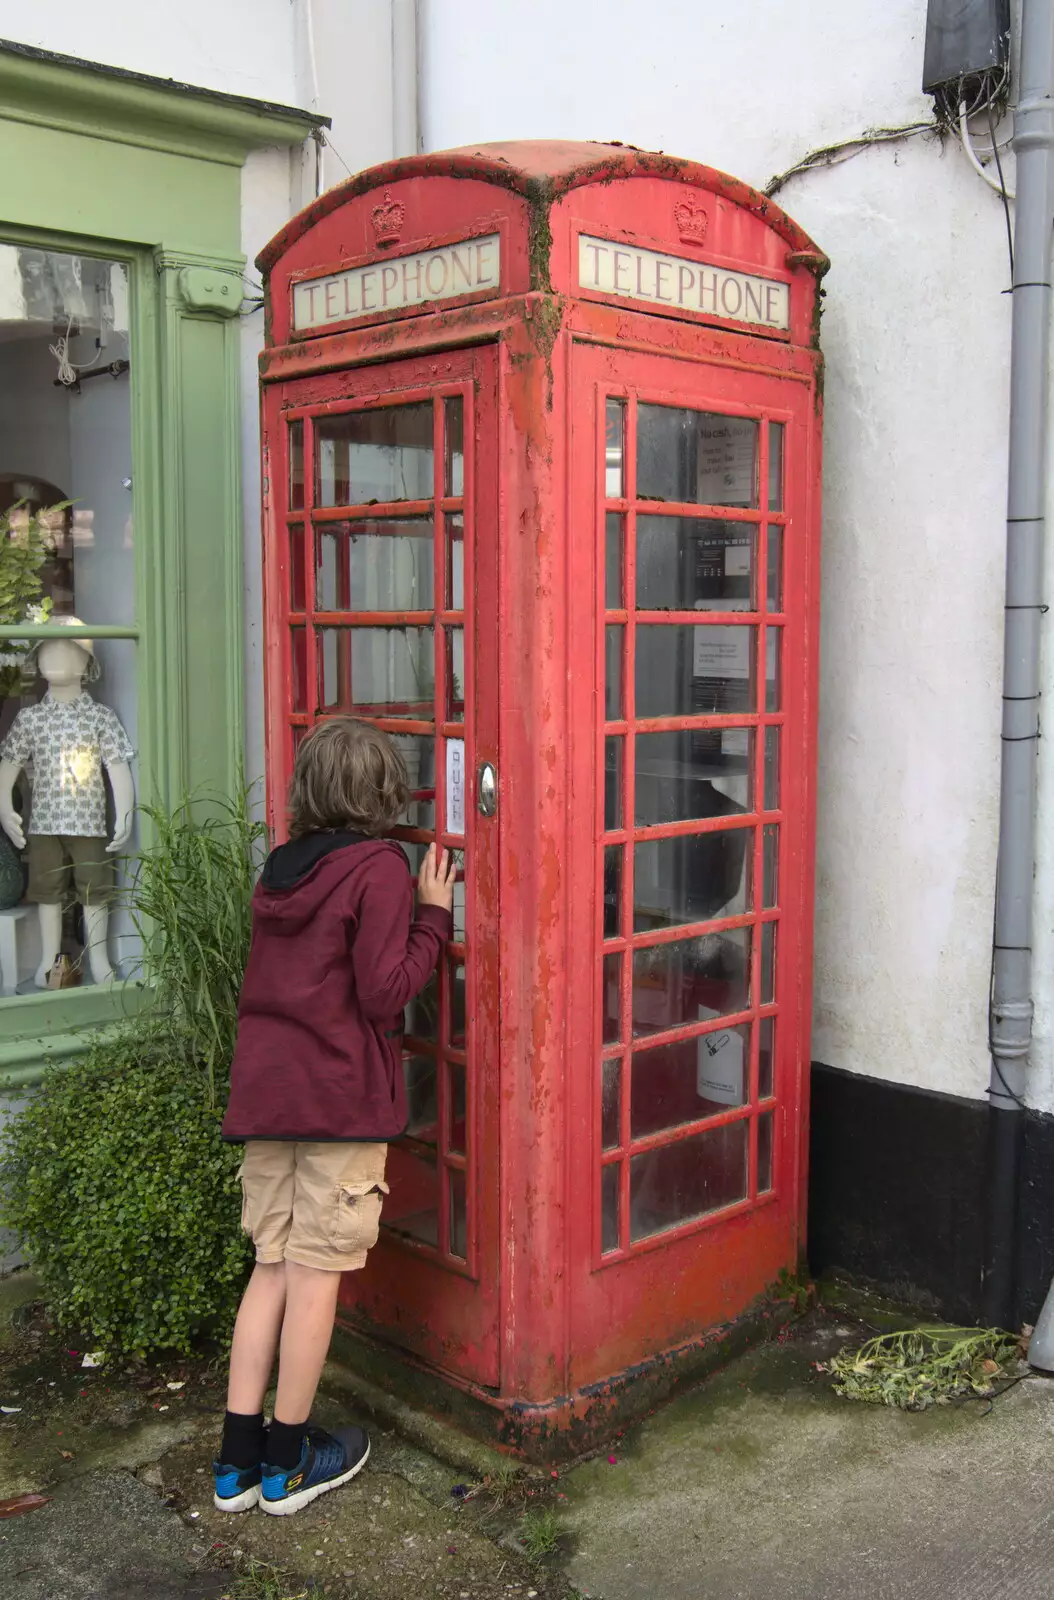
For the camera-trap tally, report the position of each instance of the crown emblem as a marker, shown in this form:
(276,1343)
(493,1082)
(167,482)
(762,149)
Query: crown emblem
(387,219)
(691,220)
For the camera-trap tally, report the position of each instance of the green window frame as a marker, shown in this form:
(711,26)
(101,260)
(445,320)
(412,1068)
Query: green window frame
(100,162)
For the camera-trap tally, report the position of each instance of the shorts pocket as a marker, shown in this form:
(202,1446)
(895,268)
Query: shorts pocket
(247,1221)
(357,1220)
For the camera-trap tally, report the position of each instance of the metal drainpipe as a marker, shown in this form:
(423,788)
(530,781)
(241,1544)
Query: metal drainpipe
(405,119)
(1011,998)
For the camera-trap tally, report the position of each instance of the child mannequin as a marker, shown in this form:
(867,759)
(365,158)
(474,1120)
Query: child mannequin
(67,739)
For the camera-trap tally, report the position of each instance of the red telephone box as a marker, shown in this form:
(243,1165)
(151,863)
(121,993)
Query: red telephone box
(542,465)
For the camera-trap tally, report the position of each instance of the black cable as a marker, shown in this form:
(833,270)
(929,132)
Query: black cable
(1002,189)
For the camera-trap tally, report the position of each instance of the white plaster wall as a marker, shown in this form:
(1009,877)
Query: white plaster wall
(245,47)
(916,339)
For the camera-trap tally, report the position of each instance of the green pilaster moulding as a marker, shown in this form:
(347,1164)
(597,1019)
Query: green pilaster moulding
(149,172)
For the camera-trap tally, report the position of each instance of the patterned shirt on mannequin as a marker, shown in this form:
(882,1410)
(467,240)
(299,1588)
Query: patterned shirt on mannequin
(64,745)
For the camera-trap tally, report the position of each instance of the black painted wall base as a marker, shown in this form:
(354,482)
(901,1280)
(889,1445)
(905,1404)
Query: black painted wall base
(897,1194)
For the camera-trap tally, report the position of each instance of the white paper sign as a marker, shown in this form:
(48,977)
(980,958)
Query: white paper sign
(727,471)
(720,1073)
(394,285)
(722,652)
(455,785)
(648,275)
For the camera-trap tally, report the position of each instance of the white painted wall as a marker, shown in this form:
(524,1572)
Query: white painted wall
(916,340)
(245,47)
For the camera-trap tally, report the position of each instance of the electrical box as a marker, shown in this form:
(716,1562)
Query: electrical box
(964,38)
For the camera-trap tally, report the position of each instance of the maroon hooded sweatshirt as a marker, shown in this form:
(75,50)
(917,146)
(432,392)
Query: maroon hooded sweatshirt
(336,955)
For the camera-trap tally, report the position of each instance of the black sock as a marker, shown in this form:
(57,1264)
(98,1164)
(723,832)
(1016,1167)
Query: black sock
(243,1439)
(285,1443)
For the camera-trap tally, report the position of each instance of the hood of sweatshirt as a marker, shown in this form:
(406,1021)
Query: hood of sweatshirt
(299,877)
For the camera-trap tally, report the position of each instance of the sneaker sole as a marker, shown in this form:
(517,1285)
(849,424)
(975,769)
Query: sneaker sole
(238,1502)
(296,1502)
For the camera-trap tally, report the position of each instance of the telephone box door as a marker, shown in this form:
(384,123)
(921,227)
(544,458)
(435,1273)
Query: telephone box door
(696,479)
(381,596)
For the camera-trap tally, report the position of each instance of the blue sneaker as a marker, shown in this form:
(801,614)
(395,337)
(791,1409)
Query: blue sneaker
(327,1461)
(237,1488)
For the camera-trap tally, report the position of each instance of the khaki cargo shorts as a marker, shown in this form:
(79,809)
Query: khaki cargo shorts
(62,870)
(315,1204)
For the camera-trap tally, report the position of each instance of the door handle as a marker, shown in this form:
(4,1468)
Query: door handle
(487,789)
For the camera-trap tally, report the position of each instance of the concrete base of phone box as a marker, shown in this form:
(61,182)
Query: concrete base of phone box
(472,1427)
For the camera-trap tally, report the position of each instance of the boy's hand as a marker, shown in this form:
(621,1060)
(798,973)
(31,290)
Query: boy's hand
(435,886)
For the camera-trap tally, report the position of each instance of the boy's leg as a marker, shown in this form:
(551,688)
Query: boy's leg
(336,1216)
(256,1334)
(311,1309)
(267,1178)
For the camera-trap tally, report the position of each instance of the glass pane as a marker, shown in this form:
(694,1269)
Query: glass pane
(412,1206)
(458,1215)
(454,446)
(690,980)
(297,569)
(609,1186)
(298,653)
(455,674)
(772,769)
(423,1107)
(688,1179)
(614,434)
(692,878)
(696,457)
(613,672)
(375,565)
(613,782)
(458,1107)
(614,537)
(773,680)
(766,1057)
(765,1132)
(458,909)
(414,851)
(421,1019)
(776,430)
(67,522)
(456,1012)
(455,584)
(296,466)
(610,1101)
(377,672)
(678,1083)
(612,998)
(612,891)
(775,565)
(770,872)
(418,750)
(693,774)
(383,455)
(685,564)
(685,671)
(768,963)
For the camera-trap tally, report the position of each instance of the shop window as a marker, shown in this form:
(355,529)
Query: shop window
(67,557)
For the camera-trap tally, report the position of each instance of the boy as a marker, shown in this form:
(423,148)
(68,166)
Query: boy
(317,1091)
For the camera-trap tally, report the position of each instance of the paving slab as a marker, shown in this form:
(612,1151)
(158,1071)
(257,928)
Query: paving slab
(765,1482)
(104,1536)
